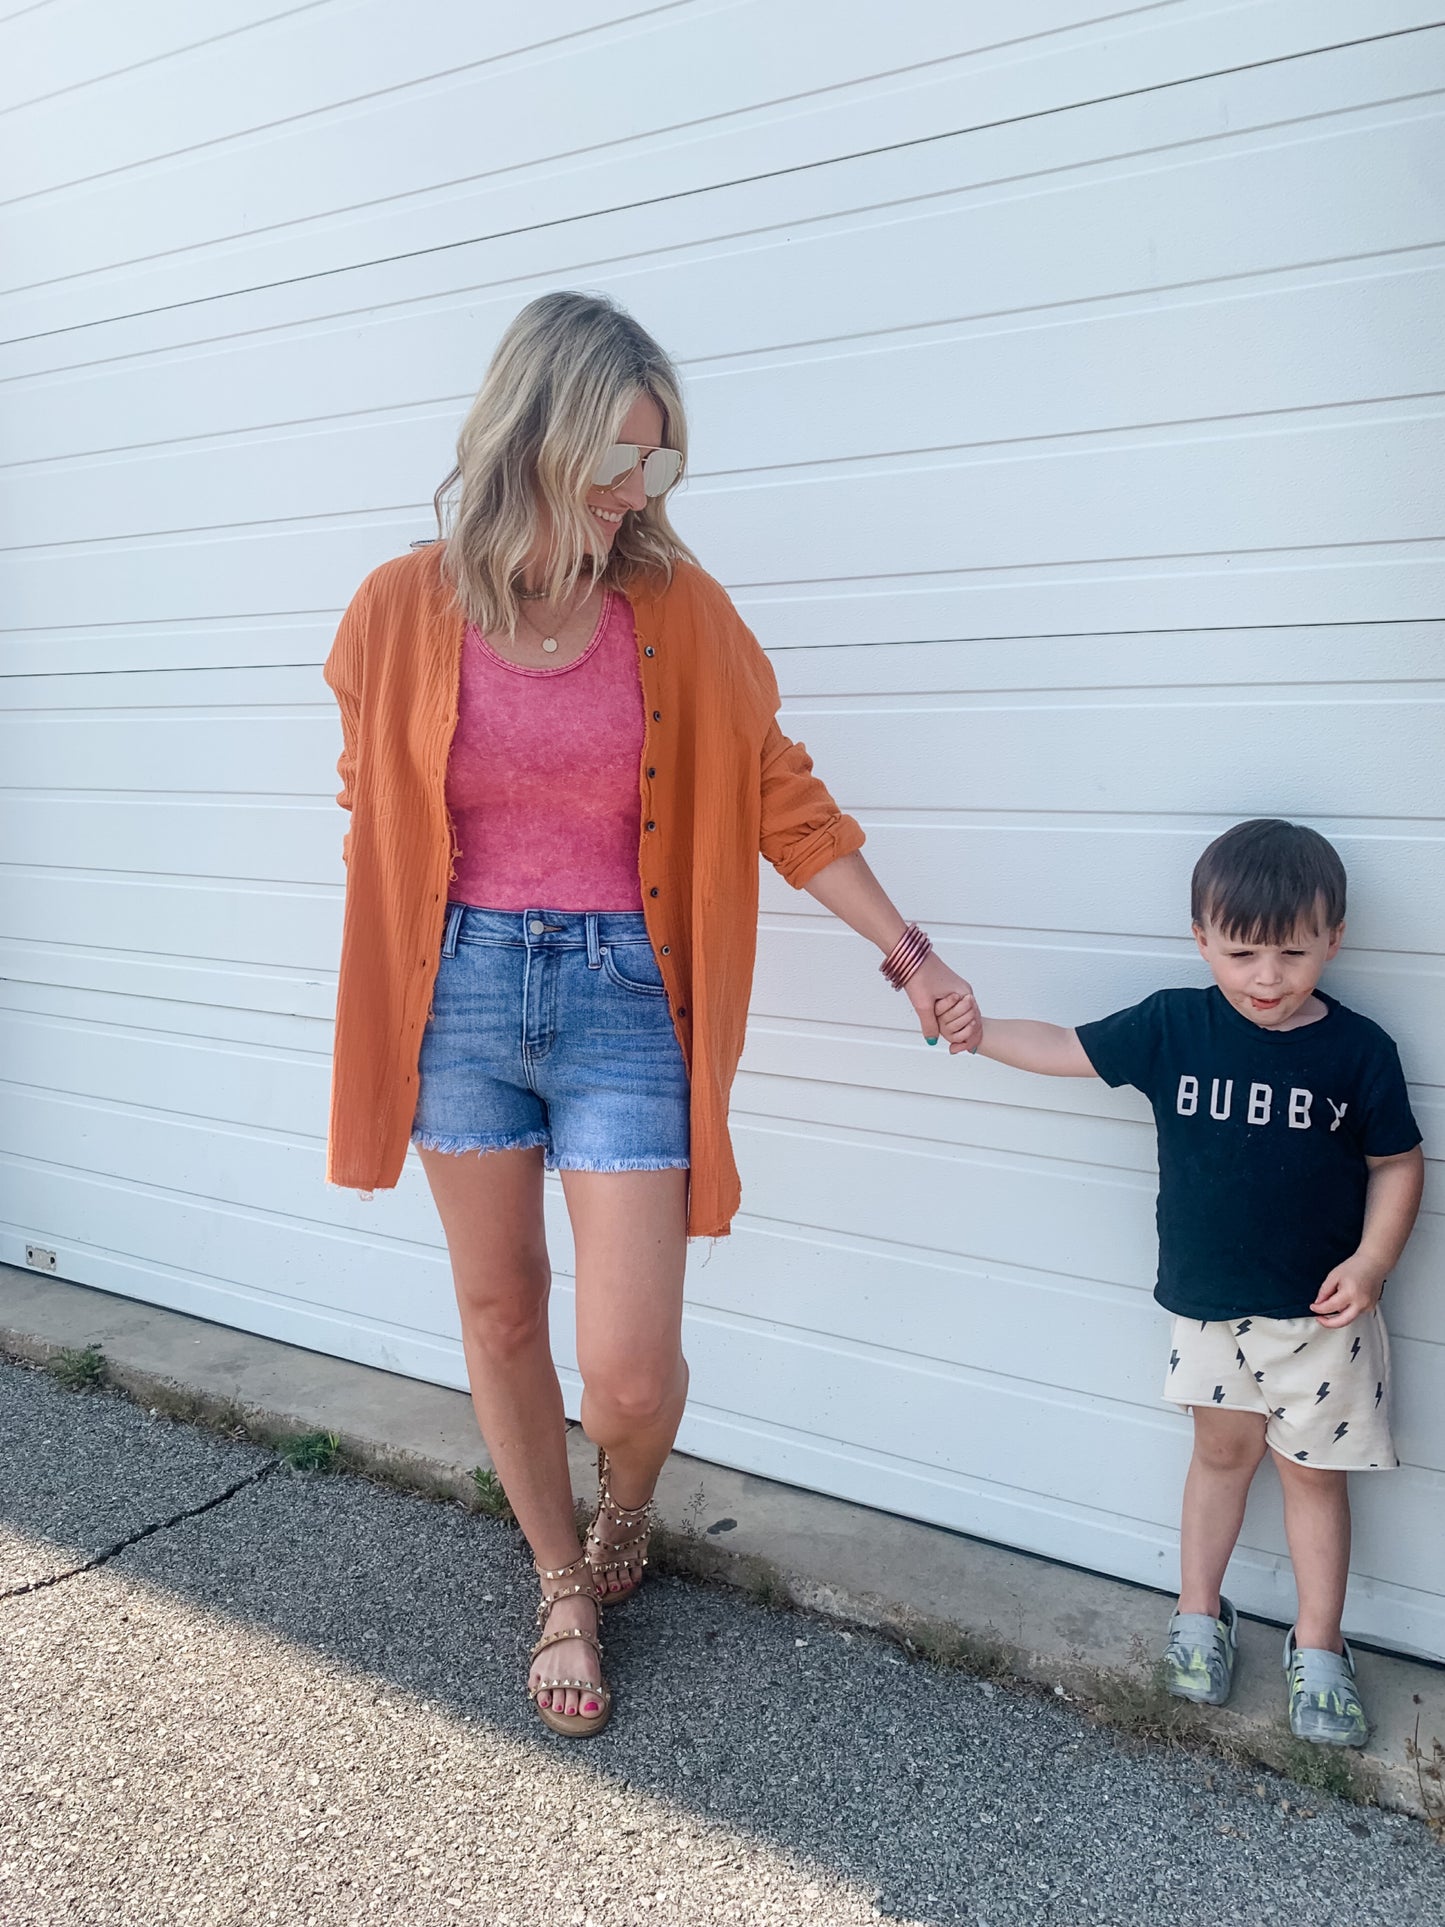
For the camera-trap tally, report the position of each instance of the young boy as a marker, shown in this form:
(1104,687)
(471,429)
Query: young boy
(1290,1172)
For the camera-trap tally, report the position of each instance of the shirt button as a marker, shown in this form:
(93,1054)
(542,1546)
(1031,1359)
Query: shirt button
(652,772)
(657,715)
(667,950)
(682,1010)
(653,892)
(652,826)
(536,926)
(650,651)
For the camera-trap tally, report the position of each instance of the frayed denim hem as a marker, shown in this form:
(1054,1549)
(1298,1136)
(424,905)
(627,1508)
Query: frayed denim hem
(453,1146)
(555,1163)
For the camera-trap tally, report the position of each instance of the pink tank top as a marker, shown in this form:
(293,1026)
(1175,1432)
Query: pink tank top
(542,781)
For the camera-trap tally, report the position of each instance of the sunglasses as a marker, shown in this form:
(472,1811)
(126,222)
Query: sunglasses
(660,467)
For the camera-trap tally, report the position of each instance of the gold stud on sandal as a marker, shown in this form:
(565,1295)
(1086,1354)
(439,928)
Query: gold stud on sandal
(572,1726)
(606,1559)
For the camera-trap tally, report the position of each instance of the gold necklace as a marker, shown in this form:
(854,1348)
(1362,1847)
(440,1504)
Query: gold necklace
(549,643)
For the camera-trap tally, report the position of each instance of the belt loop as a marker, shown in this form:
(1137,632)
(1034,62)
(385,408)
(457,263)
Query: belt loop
(594,948)
(455,913)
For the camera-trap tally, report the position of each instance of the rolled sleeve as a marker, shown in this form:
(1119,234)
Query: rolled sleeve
(803,830)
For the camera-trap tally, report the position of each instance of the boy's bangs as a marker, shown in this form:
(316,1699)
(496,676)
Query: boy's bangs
(1258,928)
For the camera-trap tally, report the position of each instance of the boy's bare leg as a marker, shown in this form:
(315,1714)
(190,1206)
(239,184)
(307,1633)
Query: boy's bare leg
(1228,1447)
(1317,1524)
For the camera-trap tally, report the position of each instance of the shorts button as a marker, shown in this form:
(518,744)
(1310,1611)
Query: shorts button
(536,926)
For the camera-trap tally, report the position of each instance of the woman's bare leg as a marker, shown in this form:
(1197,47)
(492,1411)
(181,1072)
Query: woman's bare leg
(630,1233)
(491,1213)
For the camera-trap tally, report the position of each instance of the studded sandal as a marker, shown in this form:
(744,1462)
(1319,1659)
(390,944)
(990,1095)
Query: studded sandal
(609,1558)
(572,1726)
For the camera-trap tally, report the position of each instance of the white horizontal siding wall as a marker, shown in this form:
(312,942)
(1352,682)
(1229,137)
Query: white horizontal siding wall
(1066,386)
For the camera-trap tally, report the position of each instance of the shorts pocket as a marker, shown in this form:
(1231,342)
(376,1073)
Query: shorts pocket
(634,967)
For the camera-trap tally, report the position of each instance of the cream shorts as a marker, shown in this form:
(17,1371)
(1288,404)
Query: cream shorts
(1323,1390)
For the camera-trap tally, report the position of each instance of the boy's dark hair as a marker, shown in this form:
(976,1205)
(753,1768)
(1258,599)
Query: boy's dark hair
(1263,880)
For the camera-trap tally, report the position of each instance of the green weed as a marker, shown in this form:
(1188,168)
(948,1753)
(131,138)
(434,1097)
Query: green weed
(762,1581)
(310,1451)
(1323,1769)
(1139,1701)
(691,1526)
(81,1370)
(976,1654)
(1429,1776)
(490,1497)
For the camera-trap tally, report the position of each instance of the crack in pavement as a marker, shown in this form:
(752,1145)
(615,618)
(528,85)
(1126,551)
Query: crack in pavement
(133,1539)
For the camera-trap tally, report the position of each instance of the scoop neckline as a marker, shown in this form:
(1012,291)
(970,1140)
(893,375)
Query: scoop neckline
(522,669)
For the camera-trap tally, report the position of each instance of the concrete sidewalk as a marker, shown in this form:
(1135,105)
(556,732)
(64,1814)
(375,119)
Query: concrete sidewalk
(998,1613)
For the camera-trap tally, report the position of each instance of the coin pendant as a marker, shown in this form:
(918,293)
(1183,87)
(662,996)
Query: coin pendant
(549,643)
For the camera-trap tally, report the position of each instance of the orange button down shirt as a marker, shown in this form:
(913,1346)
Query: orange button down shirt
(718,779)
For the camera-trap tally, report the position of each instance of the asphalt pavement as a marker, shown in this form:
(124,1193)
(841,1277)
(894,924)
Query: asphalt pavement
(232,1694)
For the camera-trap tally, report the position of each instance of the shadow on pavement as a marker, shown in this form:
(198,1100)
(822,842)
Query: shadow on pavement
(949,1800)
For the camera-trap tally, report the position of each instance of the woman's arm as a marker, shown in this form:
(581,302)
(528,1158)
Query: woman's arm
(815,847)
(342,671)
(850,890)
(801,828)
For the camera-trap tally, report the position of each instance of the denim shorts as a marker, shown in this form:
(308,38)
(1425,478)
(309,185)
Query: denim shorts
(551,1028)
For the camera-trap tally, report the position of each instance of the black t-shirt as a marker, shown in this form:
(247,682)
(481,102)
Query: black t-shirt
(1263,1137)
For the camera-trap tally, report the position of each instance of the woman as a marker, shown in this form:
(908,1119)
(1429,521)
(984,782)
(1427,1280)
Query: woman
(562,761)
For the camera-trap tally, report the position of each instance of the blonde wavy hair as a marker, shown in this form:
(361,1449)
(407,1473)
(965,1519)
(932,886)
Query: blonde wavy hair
(563,377)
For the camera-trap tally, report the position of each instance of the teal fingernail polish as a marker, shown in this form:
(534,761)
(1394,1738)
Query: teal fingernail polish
(930,1041)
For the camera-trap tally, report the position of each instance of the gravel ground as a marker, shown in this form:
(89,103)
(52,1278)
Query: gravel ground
(73,1484)
(304,1706)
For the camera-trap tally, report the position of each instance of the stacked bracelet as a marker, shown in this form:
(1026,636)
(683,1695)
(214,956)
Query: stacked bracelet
(906,956)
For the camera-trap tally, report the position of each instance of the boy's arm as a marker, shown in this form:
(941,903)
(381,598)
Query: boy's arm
(1048,1049)
(1392,1198)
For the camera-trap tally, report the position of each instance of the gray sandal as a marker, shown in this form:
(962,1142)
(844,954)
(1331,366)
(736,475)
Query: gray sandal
(1199,1658)
(1324,1703)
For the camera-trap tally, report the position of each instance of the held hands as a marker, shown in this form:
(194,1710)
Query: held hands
(960,1023)
(945,1005)
(1351,1290)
